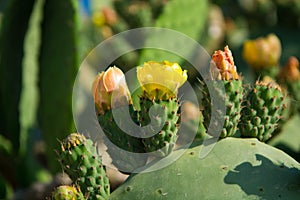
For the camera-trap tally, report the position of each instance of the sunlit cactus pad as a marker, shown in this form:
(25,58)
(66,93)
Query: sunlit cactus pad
(234,169)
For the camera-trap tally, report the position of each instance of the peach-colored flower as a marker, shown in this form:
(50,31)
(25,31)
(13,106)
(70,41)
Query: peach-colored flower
(222,66)
(110,90)
(290,72)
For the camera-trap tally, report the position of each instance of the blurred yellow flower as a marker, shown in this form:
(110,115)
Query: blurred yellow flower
(161,80)
(110,90)
(262,52)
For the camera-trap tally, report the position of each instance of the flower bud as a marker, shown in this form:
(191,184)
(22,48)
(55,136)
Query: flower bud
(222,65)
(110,90)
(290,72)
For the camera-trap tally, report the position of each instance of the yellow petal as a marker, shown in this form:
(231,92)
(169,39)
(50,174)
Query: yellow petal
(161,79)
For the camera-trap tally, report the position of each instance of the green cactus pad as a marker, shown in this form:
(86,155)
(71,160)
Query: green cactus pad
(188,17)
(262,111)
(81,162)
(66,192)
(116,135)
(57,71)
(14,26)
(293,88)
(164,116)
(233,103)
(117,138)
(289,139)
(135,13)
(235,169)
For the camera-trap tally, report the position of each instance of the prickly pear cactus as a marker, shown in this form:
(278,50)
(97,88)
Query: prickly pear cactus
(248,170)
(188,17)
(111,95)
(81,162)
(289,77)
(224,70)
(13,30)
(66,192)
(122,141)
(164,141)
(116,135)
(159,104)
(262,110)
(135,13)
(62,65)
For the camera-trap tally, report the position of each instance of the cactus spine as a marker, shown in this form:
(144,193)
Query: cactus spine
(262,110)
(224,70)
(81,162)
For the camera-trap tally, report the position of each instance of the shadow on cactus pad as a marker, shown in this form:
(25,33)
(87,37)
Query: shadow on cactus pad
(265,179)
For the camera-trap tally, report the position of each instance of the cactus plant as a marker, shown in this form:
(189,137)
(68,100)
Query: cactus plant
(63,66)
(66,192)
(110,92)
(135,13)
(235,169)
(262,110)
(188,17)
(289,77)
(160,82)
(13,30)
(81,162)
(164,141)
(224,70)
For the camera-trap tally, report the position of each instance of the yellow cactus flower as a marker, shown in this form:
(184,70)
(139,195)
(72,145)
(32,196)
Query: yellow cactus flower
(161,80)
(262,52)
(222,66)
(110,90)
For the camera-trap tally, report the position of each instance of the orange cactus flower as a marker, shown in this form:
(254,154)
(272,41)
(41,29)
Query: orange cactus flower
(222,66)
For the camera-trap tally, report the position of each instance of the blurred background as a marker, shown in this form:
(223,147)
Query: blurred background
(43,42)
